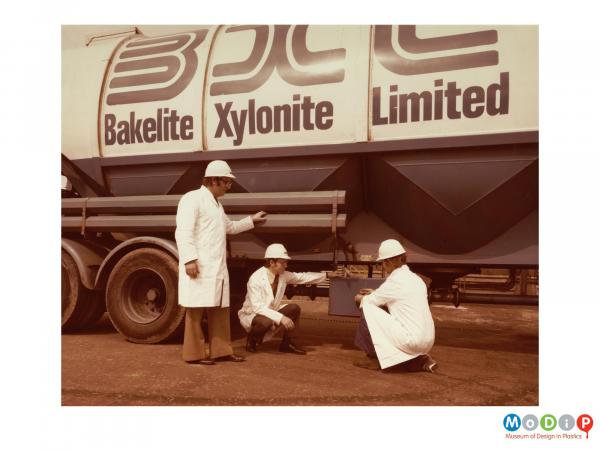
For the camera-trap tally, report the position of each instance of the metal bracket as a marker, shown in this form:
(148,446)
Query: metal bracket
(334,213)
(83,216)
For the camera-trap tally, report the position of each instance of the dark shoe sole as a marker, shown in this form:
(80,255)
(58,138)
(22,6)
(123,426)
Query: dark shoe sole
(230,359)
(289,347)
(292,352)
(206,362)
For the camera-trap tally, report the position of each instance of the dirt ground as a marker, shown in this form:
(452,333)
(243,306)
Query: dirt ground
(487,355)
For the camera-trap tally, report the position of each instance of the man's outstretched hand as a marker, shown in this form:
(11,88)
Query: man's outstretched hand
(259,217)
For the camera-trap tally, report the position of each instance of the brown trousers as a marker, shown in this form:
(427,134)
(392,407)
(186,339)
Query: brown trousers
(219,335)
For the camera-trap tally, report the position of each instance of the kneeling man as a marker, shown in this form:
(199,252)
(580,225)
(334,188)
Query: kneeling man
(262,312)
(405,332)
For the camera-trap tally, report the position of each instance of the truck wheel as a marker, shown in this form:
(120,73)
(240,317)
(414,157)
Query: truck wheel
(96,309)
(77,303)
(141,296)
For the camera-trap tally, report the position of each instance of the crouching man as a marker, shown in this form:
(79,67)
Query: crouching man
(405,332)
(263,314)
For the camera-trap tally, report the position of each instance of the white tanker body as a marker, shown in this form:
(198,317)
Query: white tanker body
(431,133)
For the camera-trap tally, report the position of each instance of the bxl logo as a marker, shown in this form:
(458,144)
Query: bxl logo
(512,422)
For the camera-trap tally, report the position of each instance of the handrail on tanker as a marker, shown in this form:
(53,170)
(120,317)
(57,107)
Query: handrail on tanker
(289,212)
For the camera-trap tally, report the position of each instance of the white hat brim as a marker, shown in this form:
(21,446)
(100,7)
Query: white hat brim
(393,256)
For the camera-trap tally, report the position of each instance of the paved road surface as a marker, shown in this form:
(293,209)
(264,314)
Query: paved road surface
(487,355)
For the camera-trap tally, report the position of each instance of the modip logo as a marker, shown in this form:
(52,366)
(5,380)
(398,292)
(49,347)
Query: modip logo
(547,427)
(512,422)
(585,423)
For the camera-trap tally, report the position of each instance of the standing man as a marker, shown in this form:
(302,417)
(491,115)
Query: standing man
(262,313)
(406,332)
(201,231)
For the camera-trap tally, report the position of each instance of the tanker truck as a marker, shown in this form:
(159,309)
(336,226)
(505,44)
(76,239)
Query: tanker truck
(345,135)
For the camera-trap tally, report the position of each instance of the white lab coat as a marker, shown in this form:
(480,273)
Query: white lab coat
(201,228)
(408,330)
(260,298)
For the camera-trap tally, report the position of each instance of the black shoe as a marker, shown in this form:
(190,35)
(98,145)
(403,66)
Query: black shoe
(232,358)
(251,345)
(206,362)
(289,347)
(429,364)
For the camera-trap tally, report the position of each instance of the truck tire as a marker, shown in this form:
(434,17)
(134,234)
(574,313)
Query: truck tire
(141,296)
(96,309)
(78,304)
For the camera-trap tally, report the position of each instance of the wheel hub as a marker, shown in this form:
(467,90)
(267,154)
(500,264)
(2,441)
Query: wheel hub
(144,296)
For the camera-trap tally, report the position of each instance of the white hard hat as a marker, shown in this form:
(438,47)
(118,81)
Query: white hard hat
(390,248)
(218,168)
(276,251)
